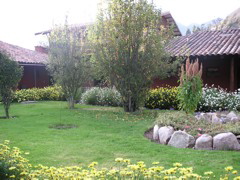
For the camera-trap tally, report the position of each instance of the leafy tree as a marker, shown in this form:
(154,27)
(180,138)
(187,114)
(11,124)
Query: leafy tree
(128,42)
(10,75)
(69,60)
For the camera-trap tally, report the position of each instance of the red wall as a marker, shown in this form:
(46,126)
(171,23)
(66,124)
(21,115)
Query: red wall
(28,79)
(222,78)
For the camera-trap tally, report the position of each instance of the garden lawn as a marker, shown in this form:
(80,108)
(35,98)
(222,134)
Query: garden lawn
(103,134)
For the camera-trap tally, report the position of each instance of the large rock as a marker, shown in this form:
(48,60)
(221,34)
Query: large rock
(164,134)
(209,116)
(204,142)
(225,141)
(155,132)
(231,115)
(238,138)
(181,139)
(215,119)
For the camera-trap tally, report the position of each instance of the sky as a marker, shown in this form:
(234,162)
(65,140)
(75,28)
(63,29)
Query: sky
(20,19)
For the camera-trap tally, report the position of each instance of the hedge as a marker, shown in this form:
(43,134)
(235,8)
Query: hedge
(53,93)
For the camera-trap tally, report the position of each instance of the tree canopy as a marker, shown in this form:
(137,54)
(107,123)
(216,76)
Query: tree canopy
(69,60)
(10,75)
(128,43)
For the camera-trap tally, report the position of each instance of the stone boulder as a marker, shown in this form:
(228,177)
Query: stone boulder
(215,119)
(225,141)
(181,139)
(155,132)
(238,138)
(164,134)
(204,142)
(231,115)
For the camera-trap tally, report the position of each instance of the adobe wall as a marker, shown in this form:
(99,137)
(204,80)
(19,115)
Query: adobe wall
(216,70)
(28,79)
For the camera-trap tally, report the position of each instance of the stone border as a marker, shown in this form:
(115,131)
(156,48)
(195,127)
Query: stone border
(180,139)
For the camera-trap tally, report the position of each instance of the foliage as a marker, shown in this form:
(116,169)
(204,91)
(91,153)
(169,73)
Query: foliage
(12,164)
(162,98)
(16,167)
(128,44)
(102,134)
(69,60)
(218,99)
(190,89)
(102,96)
(52,93)
(10,75)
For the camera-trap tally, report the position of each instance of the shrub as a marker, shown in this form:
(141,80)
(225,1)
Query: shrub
(162,98)
(190,89)
(53,93)
(102,96)
(13,165)
(218,99)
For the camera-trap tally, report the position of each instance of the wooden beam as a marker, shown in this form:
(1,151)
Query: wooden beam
(35,77)
(232,75)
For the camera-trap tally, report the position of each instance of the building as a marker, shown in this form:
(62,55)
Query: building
(219,53)
(33,63)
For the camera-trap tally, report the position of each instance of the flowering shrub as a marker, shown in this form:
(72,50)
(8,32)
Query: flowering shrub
(190,89)
(162,98)
(102,96)
(14,166)
(218,99)
(36,94)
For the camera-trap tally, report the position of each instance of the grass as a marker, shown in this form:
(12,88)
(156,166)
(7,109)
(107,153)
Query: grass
(101,134)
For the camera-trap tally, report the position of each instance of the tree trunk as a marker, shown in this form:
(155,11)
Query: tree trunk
(6,108)
(130,105)
(71,102)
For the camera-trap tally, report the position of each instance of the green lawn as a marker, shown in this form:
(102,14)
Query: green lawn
(103,134)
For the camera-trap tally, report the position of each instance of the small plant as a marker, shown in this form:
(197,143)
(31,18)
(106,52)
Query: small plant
(190,89)
(102,96)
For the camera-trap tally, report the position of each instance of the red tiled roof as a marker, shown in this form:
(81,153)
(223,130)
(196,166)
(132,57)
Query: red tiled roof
(206,43)
(23,55)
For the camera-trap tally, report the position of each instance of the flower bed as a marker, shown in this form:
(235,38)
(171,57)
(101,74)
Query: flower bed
(14,166)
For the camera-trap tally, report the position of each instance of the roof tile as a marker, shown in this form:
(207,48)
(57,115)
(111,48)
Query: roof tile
(206,43)
(23,55)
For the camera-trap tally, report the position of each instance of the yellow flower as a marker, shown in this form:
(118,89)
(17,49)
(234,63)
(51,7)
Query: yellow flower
(237,178)
(6,142)
(127,161)
(234,172)
(229,168)
(119,159)
(12,168)
(12,176)
(155,163)
(177,164)
(208,173)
